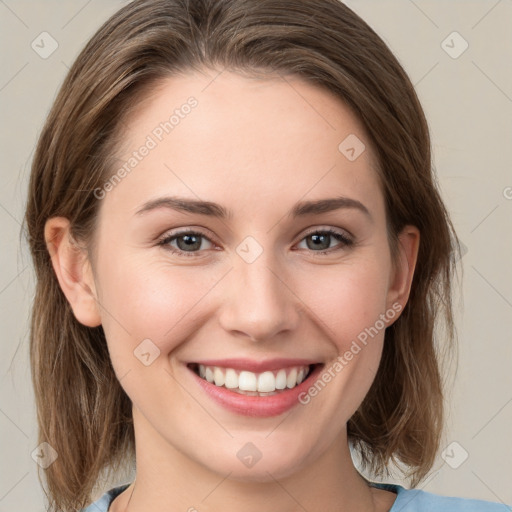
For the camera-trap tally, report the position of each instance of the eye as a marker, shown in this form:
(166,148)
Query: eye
(188,242)
(320,240)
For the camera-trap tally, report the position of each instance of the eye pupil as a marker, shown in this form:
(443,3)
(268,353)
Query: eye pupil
(191,242)
(319,241)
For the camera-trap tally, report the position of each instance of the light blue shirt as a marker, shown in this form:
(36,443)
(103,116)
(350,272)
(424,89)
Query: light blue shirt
(407,500)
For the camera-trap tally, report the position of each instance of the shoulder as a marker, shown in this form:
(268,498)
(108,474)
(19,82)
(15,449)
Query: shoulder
(407,500)
(415,500)
(102,504)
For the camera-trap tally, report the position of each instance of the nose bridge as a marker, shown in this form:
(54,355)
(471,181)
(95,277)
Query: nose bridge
(260,304)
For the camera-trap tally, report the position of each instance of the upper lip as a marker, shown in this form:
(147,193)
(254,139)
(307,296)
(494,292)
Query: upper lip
(254,366)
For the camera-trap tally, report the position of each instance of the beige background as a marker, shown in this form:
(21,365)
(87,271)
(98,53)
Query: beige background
(468,102)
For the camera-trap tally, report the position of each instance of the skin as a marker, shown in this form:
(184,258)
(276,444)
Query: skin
(256,147)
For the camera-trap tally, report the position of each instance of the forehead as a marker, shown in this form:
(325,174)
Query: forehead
(248,141)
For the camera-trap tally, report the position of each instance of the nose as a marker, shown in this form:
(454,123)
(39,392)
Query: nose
(260,303)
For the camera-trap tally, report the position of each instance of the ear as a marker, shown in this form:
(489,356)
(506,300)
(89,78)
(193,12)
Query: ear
(73,270)
(403,272)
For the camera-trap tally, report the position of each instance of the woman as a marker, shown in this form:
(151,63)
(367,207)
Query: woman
(241,255)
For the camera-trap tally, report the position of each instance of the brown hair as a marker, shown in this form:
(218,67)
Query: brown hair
(82,409)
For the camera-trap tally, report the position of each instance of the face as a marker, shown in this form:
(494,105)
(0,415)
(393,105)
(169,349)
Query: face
(261,288)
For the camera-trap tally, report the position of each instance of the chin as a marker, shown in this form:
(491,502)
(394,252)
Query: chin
(262,460)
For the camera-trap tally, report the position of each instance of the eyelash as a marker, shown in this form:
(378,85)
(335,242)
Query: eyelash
(164,242)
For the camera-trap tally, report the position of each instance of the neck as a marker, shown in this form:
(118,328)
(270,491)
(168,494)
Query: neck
(168,480)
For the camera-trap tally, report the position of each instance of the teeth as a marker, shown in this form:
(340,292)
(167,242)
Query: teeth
(231,381)
(266,382)
(245,381)
(281,379)
(291,380)
(218,377)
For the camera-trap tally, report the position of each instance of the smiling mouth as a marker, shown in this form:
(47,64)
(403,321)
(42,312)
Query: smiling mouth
(248,383)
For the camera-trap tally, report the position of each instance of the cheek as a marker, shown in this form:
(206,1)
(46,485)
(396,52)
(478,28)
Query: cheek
(151,300)
(348,302)
(347,299)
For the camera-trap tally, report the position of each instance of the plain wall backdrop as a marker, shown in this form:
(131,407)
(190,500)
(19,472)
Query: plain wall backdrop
(458,54)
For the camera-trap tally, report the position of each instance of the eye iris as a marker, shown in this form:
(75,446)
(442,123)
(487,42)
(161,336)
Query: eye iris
(191,242)
(321,239)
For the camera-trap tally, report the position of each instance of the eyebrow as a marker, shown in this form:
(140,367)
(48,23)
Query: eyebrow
(211,209)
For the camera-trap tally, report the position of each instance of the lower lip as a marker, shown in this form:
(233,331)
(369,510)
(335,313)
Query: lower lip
(260,406)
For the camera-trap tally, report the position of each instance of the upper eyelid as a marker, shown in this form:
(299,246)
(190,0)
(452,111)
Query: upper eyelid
(186,231)
(341,231)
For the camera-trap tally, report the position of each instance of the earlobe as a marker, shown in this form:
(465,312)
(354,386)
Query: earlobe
(401,280)
(73,271)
